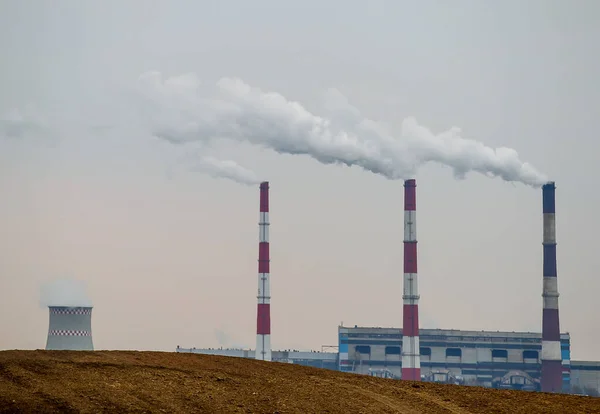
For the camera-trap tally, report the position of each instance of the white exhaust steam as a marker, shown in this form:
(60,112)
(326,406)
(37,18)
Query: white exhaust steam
(183,111)
(226,169)
(64,292)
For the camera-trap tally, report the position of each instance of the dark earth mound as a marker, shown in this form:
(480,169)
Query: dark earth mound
(121,382)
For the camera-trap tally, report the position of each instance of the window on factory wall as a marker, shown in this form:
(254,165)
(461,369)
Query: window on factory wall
(363,349)
(425,354)
(392,350)
(453,352)
(499,353)
(530,355)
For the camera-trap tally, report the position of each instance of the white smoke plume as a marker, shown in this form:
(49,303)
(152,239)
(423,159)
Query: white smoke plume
(183,111)
(222,338)
(64,292)
(226,169)
(216,168)
(226,341)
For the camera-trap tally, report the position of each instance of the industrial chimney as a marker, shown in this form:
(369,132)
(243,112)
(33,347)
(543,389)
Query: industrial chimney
(70,328)
(263,317)
(411,359)
(551,380)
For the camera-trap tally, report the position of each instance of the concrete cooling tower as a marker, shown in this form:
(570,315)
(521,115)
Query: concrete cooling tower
(70,328)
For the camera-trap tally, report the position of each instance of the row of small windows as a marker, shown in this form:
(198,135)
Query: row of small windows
(449,338)
(450,352)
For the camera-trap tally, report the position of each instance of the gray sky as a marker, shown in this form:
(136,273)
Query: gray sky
(172,261)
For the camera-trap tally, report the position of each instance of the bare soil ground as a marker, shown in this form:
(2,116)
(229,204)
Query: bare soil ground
(122,382)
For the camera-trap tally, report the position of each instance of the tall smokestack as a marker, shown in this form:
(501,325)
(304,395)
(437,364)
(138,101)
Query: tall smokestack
(263,320)
(551,380)
(411,359)
(70,328)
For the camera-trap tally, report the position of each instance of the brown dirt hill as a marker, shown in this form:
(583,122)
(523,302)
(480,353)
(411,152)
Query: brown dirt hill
(121,382)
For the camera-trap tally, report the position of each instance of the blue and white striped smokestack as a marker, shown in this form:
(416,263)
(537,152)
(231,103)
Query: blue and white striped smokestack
(551,380)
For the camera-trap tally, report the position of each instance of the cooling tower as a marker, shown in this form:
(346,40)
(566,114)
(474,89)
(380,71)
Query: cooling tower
(551,380)
(411,360)
(70,328)
(263,313)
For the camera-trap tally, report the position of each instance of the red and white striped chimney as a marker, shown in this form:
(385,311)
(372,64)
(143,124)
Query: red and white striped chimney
(411,359)
(263,316)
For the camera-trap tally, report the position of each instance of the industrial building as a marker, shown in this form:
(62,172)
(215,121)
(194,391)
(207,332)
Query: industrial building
(70,328)
(325,360)
(485,358)
(515,360)
(467,357)
(585,377)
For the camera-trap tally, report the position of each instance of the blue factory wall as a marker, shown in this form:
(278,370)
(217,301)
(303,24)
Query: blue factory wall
(480,357)
(475,357)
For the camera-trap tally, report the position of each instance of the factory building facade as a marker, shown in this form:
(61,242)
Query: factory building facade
(486,358)
(325,360)
(470,357)
(585,377)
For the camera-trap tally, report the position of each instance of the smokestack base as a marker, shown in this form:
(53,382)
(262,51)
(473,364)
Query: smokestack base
(551,376)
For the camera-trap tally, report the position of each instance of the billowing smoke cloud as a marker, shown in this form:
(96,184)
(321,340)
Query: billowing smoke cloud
(64,292)
(184,111)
